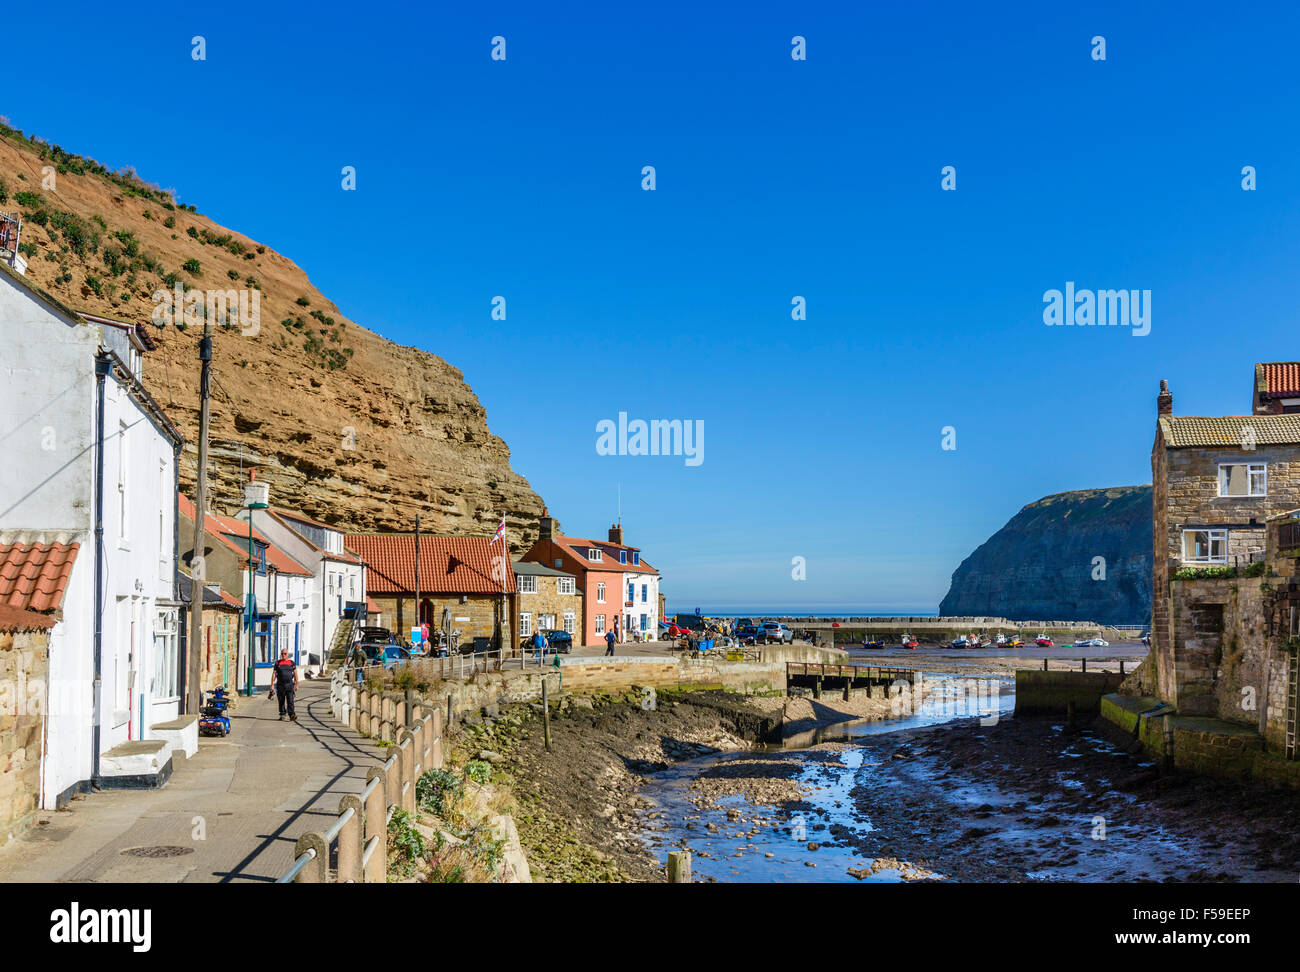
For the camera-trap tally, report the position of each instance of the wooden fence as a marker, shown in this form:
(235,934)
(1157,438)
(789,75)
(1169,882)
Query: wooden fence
(361,829)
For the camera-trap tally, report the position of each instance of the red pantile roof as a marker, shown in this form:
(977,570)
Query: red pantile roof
(34,576)
(14,619)
(578,548)
(1281,379)
(230,531)
(448,565)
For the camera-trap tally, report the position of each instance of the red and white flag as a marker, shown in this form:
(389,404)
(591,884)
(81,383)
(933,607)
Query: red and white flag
(500,534)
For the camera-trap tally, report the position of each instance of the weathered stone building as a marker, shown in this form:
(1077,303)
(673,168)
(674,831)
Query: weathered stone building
(463,581)
(1215,481)
(549,599)
(24,695)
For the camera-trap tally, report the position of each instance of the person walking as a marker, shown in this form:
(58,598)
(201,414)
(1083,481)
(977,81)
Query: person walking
(609,642)
(539,644)
(284,682)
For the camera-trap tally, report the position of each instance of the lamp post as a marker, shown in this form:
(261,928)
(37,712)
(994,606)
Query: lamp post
(256,497)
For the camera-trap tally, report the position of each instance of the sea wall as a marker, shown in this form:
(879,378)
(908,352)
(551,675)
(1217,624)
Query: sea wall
(1044,692)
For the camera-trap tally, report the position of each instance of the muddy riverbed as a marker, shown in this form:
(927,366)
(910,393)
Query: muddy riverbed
(1022,800)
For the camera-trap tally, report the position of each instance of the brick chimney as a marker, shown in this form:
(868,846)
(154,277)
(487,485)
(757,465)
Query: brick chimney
(1164,401)
(545,526)
(616,533)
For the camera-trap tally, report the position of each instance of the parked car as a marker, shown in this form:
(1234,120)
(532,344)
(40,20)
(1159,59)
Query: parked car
(378,653)
(559,640)
(749,634)
(774,631)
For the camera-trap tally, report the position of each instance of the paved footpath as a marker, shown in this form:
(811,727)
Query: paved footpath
(253,793)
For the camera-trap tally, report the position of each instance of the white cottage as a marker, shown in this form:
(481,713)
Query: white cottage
(88,535)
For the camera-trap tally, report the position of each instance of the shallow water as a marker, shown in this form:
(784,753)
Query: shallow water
(1051,840)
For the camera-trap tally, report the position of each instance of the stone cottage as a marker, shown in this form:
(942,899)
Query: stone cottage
(549,599)
(24,671)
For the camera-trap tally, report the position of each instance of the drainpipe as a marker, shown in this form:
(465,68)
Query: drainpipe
(102,368)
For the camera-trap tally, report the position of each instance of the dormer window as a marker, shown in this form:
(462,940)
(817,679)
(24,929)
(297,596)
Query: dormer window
(593,555)
(636,557)
(622,556)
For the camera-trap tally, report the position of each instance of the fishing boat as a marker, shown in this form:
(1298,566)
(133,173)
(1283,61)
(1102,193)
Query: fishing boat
(1042,641)
(910,642)
(872,644)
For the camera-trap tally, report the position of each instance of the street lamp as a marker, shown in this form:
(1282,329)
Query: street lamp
(256,497)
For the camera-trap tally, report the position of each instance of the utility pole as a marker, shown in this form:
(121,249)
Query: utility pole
(198,565)
(417,571)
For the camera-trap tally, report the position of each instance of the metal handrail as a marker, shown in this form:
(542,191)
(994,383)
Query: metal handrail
(303,859)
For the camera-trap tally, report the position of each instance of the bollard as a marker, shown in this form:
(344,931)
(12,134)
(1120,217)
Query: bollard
(679,867)
(435,757)
(351,841)
(848,683)
(376,869)
(1121,668)
(1084,662)
(817,688)
(374,715)
(317,869)
(1044,664)
(448,720)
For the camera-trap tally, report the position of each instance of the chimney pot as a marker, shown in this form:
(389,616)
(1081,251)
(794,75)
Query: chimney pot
(1164,401)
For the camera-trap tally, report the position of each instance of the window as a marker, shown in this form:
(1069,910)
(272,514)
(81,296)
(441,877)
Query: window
(262,642)
(564,585)
(600,624)
(600,593)
(546,622)
(1243,479)
(645,622)
(631,592)
(165,668)
(1205,546)
(622,556)
(525,625)
(636,557)
(568,621)
(528,584)
(122,461)
(162,514)
(645,592)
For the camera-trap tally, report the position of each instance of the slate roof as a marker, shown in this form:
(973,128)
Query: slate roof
(539,570)
(578,547)
(1181,431)
(33,576)
(448,565)
(231,532)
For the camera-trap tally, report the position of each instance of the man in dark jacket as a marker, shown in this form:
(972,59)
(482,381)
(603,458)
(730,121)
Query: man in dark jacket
(284,681)
(609,642)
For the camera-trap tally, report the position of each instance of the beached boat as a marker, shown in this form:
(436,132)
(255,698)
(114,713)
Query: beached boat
(1042,641)
(910,642)
(872,644)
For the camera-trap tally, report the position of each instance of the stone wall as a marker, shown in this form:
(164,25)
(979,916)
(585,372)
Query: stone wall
(24,660)
(481,609)
(1041,692)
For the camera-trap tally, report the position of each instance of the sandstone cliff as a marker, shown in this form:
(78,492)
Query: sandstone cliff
(346,426)
(1040,565)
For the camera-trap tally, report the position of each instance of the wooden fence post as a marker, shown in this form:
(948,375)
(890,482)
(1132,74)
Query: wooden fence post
(679,867)
(317,869)
(406,757)
(435,759)
(351,841)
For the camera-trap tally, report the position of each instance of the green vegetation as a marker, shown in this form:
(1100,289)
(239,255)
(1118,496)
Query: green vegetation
(406,845)
(303,302)
(191,266)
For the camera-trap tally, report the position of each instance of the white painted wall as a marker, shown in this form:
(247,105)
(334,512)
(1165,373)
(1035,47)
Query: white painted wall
(649,606)
(47,419)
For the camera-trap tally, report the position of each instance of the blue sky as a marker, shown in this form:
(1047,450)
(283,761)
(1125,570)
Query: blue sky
(775,178)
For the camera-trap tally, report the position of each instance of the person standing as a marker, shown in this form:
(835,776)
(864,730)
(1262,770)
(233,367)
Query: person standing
(539,644)
(284,682)
(609,642)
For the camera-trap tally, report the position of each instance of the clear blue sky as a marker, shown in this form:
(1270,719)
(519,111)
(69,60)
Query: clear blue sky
(776,178)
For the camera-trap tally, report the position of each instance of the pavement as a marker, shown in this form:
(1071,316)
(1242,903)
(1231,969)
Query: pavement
(233,812)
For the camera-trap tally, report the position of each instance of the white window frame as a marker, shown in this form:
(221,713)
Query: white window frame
(541,622)
(600,624)
(570,622)
(594,555)
(1253,469)
(525,625)
(166,682)
(1221,536)
(600,593)
(564,585)
(527,583)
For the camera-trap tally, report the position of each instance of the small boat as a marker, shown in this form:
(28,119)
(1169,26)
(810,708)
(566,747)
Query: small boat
(872,644)
(962,642)
(1042,641)
(1014,642)
(910,642)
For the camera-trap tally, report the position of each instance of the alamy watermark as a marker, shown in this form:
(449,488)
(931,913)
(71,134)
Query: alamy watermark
(222,307)
(1086,308)
(657,437)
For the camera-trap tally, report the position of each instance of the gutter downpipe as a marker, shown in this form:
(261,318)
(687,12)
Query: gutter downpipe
(102,368)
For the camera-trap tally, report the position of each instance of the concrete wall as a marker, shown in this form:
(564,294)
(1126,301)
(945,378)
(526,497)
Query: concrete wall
(1044,692)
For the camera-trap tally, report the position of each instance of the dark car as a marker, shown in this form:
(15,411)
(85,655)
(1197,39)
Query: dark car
(558,640)
(379,653)
(748,634)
